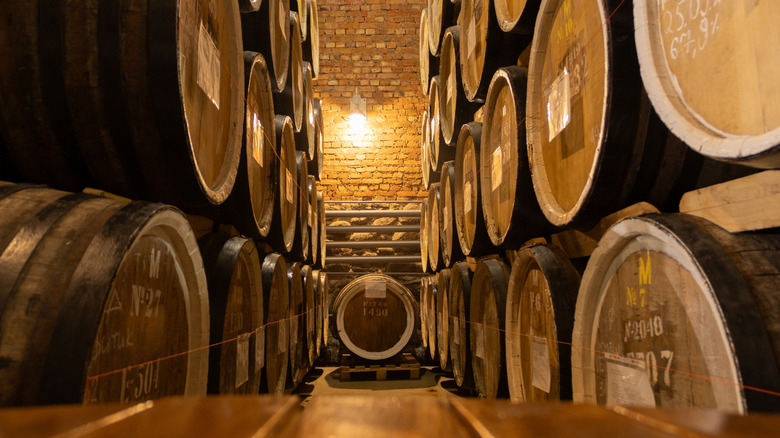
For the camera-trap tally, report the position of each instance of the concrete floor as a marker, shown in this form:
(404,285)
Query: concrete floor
(325,381)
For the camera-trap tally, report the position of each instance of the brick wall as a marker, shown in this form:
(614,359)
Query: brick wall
(371,45)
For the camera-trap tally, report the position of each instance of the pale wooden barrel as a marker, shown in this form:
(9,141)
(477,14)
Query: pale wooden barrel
(488,301)
(276,297)
(459,299)
(443,319)
(469,218)
(438,152)
(434,225)
(454,109)
(485,47)
(313,227)
(305,138)
(302,8)
(268,31)
(311,41)
(315,165)
(689,49)
(428,64)
(91,287)
(309,285)
(375,316)
(675,312)
(253,191)
(290,101)
(448,235)
(283,220)
(105,111)
(512,214)
(430,314)
(320,319)
(429,175)
(584,93)
(424,291)
(424,236)
(539,320)
(297,341)
(323,229)
(516,15)
(322,288)
(440,14)
(236,307)
(300,245)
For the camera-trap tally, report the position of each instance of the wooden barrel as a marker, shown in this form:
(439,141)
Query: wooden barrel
(297,340)
(448,235)
(235,287)
(311,41)
(429,175)
(431,297)
(305,138)
(539,320)
(428,64)
(302,8)
(268,31)
(443,319)
(254,188)
(485,47)
(424,291)
(160,124)
(470,221)
(435,219)
(375,316)
(91,287)
(319,335)
(424,236)
(512,214)
(583,99)
(290,101)
(313,228)
(676,312)
(441,13)
(322,289)
(315,165)
(459,299)
(300,246)
(516,15)
(276,297)
(282,231)
(454,109)
(687,50)
(488,301)
(323,230)
(309,285)
(437,148)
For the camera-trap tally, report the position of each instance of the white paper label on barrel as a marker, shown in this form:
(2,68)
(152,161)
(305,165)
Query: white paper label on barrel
(628,384)
(208,66)
(496,163)
(289,183)
(467,197)
(456,330)
(480,341)
(242,359)
(284,333)
(558,105)
(541,363)
(376,289)
(259,349)
(258,133)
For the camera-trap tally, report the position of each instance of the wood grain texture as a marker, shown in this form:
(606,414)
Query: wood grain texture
(297,340)
(516,15)
(454,108)
(300,244)
(289,101)
(267,31)
(460,305)
(449,243)
(276,297)
(282,231)
(442,310)
(311,41)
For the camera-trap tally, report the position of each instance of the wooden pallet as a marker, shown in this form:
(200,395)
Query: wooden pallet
(400,363)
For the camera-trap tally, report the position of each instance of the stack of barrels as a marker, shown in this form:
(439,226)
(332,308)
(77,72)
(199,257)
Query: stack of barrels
(547,116)
(162,227)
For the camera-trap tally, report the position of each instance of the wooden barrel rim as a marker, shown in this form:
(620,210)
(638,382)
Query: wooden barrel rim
(325,308)
(424,310)
(456,110)
(479,37)
(665,86)
(323,229)
(319,313)
(308,130)
(439,15)
(302,8)
(511,212)
(311,314)
(350,291)
(424,53)
(424,236)
(311,42)
(297,340)
(516,15)
(300,245)
(277,327)
(459,301)
(434,223)
(430,314)
(319,139)
(443,319)
(313,217)
(723,291)
(560,283)
(487,329)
